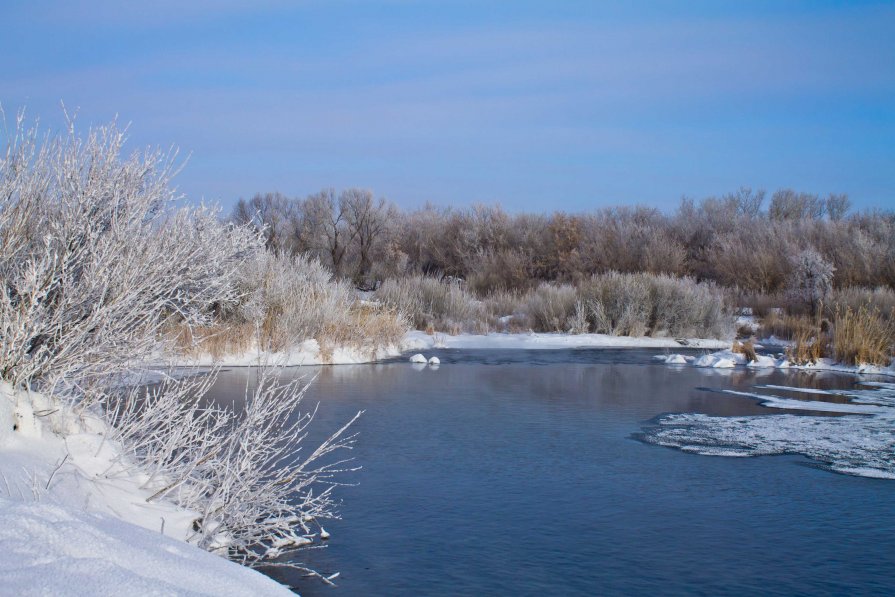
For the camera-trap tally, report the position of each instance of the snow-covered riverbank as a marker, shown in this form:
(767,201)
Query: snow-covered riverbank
(71,511)
(310,352)
(727,359)
(542,341)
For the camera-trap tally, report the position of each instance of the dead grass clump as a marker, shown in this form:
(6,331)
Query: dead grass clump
(366,325)
(746,349)
(811,339)
(787,327)
(863,336)
(881,298)
(218,339)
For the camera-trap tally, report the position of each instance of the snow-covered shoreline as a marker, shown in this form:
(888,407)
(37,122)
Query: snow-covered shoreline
(727,359)
(76,518)
(309,352)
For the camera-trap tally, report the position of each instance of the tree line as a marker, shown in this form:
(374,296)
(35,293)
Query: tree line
(743,239)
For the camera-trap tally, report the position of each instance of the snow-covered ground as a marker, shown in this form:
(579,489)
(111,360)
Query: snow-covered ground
(422,341)
(71,508)
(50,549)
(306,353)
(862,443)
(309,352)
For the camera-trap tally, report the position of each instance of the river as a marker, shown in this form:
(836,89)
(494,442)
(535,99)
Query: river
(526,473)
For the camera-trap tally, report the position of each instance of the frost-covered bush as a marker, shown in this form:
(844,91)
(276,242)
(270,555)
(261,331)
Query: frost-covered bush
(618,304)
(640,304)
(684,307)
(95,267)
(235,467)
(288,299)
(430,303)
(551,308)
(811,279)
(94,261)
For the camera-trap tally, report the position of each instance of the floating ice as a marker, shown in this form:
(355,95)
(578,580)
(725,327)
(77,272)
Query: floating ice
(434,361)
(862,445)
(418,358)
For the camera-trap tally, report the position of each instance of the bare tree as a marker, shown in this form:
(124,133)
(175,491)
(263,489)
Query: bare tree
(366,223)
(326,229)
(275,216)
(748,202)
(837,206)
(787,204)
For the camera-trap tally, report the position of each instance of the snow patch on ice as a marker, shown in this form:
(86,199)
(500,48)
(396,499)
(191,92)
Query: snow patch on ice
(861,443)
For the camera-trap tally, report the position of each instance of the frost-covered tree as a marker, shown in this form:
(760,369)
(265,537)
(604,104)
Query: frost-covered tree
(811,279)
(93,259)
(94,265)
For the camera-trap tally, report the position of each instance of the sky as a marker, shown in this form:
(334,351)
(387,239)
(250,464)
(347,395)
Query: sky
(537,106)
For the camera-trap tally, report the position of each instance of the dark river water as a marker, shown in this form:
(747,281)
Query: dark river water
(521,473)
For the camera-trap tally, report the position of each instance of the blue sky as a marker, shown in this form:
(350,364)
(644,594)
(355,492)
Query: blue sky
(535,105)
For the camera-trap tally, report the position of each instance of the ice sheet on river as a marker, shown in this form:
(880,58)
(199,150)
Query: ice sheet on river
(859,439)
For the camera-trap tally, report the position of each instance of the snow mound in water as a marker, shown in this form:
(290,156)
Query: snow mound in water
(726,359)
(862,443)
(434,361)
(720,360)
(762,362)
(674,359)
(418,358)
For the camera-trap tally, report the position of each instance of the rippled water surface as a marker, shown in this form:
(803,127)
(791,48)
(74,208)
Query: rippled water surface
(522,473)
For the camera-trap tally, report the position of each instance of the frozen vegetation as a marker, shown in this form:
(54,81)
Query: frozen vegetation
(98,268)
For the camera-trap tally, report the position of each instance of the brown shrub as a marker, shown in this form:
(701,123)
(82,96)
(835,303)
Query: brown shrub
(863,336)
(746,349)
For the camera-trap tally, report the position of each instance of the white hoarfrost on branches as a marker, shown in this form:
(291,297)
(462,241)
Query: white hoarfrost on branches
(94,261)
(811,279)
(96,266)
(258,495)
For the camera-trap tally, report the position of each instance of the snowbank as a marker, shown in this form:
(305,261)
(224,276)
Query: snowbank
(308,352)
(48,549)
(71,505)
(536,341)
